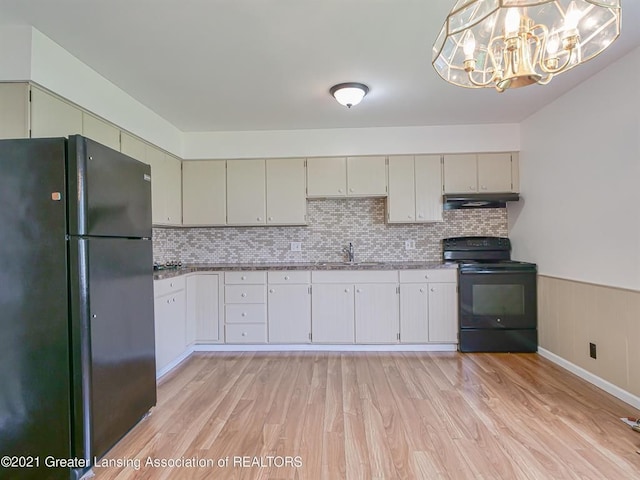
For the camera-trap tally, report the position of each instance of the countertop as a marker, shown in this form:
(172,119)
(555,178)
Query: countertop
(216,267)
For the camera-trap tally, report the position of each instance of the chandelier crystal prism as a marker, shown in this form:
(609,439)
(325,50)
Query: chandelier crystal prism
(515,43)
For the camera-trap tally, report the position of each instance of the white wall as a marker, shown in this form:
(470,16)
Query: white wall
(15,53)
(580,181)
(352,141)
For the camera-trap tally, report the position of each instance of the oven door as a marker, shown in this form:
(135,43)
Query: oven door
(497,299)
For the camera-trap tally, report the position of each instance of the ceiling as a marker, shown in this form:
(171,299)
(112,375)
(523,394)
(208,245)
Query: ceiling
(236,65)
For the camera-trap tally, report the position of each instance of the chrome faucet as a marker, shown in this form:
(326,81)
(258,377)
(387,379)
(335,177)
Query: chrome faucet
(350,253)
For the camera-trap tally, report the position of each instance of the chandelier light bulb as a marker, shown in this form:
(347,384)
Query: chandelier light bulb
(572,17)
(512,22)
(553,44)
(469,46)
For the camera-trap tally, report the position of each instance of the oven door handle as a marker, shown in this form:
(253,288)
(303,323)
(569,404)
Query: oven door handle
(497,270)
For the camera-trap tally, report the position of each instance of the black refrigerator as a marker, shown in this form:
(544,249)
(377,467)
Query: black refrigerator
(77,350)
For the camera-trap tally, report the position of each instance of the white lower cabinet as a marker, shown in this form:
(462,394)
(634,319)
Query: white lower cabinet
(376,313)
(332,313)
(354,307)
(428,306)
(204,307)
(289,307)
(245,307)
(170,321)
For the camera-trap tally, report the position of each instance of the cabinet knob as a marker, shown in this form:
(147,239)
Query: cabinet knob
(339,190)
(359,291)
(259,219)
(94,316)
(483,187)
(243,294)
(171,284)
(244,334)
(168,300)
(499,319)
(427,277)
(409,216)
(243,314)
(168,219)
(270,219)
(243,277)
(271,290)
(422,290)
(286,277)
(351,190)
(471,187)
(433,289)
(346,290)
(420,215)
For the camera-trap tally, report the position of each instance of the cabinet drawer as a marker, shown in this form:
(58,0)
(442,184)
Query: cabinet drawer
(425,276)
(231,278)
(168,285)
(250,313)
(285,277)
(355,276)
(244,294)
(246,333)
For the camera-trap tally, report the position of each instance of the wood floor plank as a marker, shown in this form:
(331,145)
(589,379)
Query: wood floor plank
(352,416)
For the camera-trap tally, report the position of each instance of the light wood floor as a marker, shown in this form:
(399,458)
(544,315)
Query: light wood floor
(380,416)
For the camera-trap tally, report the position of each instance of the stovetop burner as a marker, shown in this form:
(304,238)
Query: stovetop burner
(167,266)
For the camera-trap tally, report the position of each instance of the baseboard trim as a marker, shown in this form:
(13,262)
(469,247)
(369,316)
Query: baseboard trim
(325,348)
(599,382)
(174,363)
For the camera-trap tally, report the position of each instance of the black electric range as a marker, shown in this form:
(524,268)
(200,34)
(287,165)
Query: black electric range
(497,296)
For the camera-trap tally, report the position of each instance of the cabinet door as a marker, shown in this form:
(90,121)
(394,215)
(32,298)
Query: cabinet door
(53,117)
(246,192)
(204,195)
(14,110)
(203,308)
(443,312)
(100,131)
(460,173)
(367,176)
(170,323)
(327,177)
(289,313)
(414,314)
(494,172)
(155,158)
(286,197)
(332,313)
(133,147)
(376,313)
(401,203)
(428,184)
(173,189)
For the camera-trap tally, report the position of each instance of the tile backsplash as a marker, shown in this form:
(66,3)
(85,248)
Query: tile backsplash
(333,223)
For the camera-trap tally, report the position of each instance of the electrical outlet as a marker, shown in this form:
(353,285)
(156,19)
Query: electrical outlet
(592,350)
(409,244)
(296,246)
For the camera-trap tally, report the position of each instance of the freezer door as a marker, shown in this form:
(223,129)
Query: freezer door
(113,191)
(34,347)
(113,339)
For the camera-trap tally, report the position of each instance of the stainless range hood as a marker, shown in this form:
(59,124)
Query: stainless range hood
(453,201)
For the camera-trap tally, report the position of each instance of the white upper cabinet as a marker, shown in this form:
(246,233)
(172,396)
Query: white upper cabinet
(342,177)
(480,173)
(52,116)
(14,110)
(494,172)
(246,192)
(286,199)
(204,198)
(133,147)
(367,176)
(100,131)
(327,177)
(415,189)
(166,187)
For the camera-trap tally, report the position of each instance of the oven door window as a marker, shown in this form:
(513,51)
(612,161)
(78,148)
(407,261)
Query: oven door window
(505,299)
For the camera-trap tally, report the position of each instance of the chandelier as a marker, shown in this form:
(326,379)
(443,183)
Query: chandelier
(515,43)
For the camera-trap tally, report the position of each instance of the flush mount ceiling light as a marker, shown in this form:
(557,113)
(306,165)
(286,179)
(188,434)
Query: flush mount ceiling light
(349,94)
(515,43)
